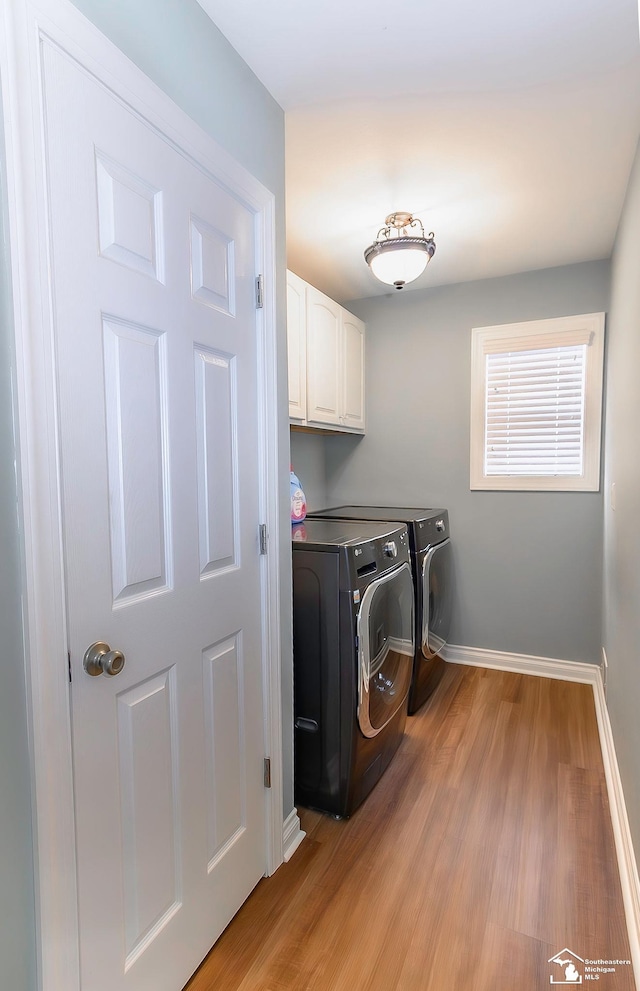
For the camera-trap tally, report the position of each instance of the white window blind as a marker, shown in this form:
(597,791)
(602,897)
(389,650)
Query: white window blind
(534,406)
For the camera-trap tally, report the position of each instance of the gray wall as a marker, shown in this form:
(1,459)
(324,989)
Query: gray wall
(528,565)
(175,43)
(308,460)
(622,524)
(17,907)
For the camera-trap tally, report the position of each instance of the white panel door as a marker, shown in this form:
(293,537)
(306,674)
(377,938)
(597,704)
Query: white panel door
(324,384)
(353,331)
(153,274)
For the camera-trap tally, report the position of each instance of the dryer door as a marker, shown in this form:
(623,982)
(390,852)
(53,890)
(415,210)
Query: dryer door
(436,598)
(385,648)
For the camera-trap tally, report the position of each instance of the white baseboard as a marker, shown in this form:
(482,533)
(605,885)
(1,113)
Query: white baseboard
(542,667)
(292,835)
(590,674)
(627,864)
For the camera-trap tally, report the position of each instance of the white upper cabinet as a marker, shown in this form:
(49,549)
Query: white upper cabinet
(324,353)
(297,347)
(352,372)
(327,392)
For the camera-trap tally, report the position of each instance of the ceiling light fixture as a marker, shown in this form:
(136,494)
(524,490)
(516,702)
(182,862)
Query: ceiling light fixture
(399,253)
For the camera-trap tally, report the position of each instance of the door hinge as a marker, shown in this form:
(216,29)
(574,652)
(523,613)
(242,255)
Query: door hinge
(267,772)
(263,538)
(259,292)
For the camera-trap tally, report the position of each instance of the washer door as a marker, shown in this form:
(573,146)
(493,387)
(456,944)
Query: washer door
(436,598)
(385,648)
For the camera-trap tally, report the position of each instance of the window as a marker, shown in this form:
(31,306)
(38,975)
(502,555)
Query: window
(536,404)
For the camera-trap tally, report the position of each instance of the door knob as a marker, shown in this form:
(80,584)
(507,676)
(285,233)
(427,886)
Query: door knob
(100,659)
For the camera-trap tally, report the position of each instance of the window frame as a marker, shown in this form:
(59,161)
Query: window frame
(533,335)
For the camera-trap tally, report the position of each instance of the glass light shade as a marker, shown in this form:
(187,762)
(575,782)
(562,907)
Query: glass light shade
(398,260)
(399,263)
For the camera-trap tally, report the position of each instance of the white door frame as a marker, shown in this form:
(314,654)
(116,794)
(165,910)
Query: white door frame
(25,23)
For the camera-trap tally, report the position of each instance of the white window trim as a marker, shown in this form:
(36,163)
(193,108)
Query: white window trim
(539,334)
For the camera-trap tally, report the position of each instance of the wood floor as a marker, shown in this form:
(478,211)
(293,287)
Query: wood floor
(485,850)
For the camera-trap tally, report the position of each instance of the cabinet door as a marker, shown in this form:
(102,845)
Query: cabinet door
(324,379)
(352,413)
(297,347)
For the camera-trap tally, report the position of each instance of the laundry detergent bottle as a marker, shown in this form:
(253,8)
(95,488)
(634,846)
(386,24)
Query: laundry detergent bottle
(298,501)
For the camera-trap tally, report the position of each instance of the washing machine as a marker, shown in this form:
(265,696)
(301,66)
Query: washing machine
(431,561)
(353,647)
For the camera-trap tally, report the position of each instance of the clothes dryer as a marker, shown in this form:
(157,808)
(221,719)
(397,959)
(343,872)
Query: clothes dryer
(431,561)
(353,647)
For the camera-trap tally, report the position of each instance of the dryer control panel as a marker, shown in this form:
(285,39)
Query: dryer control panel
(432,530)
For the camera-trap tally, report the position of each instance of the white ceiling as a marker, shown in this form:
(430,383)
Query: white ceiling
(507,126)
